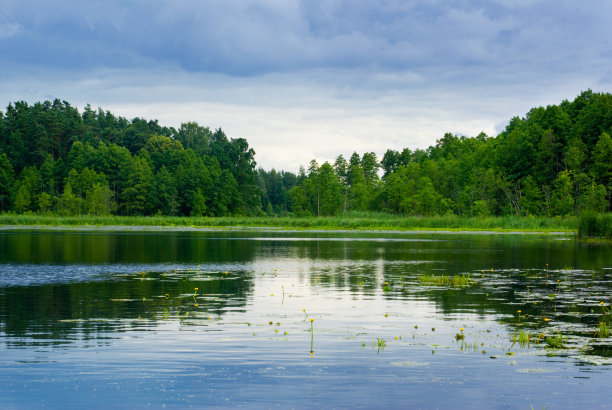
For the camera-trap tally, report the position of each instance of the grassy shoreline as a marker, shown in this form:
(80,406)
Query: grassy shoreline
(352,221)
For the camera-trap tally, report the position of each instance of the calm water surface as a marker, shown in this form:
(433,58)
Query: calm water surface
(219,319)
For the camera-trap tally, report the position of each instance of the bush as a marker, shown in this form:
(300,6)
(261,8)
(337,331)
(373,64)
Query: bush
(592,224)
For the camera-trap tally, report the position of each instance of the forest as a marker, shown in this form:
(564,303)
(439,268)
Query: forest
(554,161)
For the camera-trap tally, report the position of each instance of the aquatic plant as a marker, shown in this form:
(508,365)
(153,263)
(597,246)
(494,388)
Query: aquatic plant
(311,336)
(596,225)
(348,220)
(604,324)
(603,330)
(379,344)
(460,336)
(555,342)
(522,338)
(446,280)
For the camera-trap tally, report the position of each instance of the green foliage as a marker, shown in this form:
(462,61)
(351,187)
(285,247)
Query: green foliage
(562,201)
(556,342)
(136,195)
(556,161)
(99,200)
(7,180)
(445,280)
(69,204)
(595,225)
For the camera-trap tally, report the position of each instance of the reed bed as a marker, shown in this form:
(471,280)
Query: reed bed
(348,221)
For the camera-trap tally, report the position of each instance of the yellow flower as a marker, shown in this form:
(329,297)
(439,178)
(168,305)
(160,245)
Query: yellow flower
(271,294)
(601,303)
(518,311)
(196,305)
(196,289)
(303,310)
(312,320)
(546,319)
(461,329)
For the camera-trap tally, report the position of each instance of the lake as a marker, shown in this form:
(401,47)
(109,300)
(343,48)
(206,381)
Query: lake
(264,319)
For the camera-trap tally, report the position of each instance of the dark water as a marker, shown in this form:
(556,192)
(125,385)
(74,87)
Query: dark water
(91,319)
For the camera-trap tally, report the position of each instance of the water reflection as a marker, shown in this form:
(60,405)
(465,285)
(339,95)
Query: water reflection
(234,309)
(57,313)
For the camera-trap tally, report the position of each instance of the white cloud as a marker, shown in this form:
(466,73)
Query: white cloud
(291,118)
(8,30)
(303,79)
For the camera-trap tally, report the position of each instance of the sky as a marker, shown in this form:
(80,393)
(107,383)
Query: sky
(309,79)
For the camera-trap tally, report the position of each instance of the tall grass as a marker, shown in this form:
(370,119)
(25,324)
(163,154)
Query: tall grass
(595,225)
(445,280)
(351,221)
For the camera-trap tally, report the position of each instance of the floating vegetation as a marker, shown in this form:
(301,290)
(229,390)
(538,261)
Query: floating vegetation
(522,338)
(556,341)
(379,344)
(603,330)
(311,336)
(446,280)
(460,336)
(604,325)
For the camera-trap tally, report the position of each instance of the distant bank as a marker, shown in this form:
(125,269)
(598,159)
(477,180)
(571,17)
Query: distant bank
(381,222)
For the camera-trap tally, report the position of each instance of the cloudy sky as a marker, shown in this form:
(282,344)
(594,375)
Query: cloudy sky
(309,79)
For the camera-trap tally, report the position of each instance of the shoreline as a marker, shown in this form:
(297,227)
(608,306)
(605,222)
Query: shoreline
(276,229)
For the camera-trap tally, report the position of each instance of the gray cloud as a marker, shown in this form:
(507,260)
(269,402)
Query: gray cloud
(255,37)
(303,79)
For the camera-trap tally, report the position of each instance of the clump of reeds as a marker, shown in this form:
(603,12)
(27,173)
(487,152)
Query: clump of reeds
(595,225)
(445,280)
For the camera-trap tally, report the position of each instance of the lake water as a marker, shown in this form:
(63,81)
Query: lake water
(219,319)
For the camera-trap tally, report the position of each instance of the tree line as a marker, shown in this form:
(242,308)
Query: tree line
(557,160)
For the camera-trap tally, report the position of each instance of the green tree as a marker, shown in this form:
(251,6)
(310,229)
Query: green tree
(166,195)
(330,190)
(69,204)
(594,198)
(562,200)
(136,197)
(45,202)
(99,200)
(531,199)
(199,204)
(300,204)
(195,137)
(27,191)
(602,164)
(7,180)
